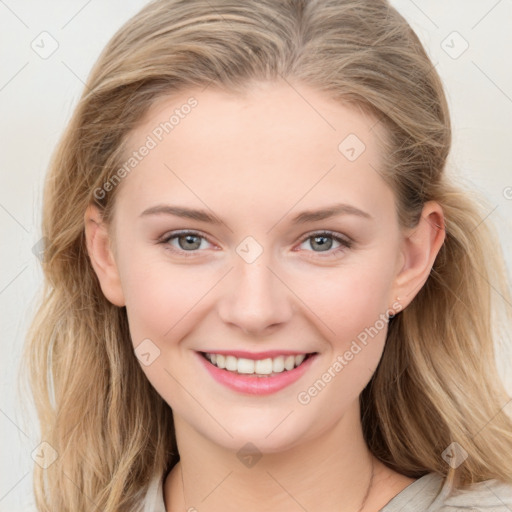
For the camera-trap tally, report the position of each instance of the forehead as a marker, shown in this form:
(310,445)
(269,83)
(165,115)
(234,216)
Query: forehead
(276,139)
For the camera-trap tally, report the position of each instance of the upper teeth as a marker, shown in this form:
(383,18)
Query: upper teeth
(257,366)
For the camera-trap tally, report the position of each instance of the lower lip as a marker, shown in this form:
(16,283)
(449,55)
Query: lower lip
(254,385)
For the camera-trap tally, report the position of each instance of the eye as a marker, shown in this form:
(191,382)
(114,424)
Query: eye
(185,242)
(323,242)
(189,243)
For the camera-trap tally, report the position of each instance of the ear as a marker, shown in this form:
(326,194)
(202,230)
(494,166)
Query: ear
(101,255)
(420,247)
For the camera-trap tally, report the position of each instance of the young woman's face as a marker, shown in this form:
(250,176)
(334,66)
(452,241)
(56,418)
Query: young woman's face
(257,229)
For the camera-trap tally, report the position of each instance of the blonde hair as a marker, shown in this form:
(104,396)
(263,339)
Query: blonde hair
(437,381)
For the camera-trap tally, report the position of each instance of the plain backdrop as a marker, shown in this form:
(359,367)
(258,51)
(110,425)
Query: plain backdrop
(46,52)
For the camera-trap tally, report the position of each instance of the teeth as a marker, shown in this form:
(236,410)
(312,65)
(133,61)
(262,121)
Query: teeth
(278,364)
(231,363)
(299,359)
(259,366)
(245,366)
(263,366)
(289,363)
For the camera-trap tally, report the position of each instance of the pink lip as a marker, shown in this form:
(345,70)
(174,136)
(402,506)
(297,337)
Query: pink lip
(256,355)
(251,384)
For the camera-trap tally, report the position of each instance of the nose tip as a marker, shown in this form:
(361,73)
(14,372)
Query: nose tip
(254,300)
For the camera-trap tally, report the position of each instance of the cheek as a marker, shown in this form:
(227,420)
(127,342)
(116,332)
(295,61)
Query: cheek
(163,302)
(351,307)
(160,295)
(348,301)
(152,306)
(354,319)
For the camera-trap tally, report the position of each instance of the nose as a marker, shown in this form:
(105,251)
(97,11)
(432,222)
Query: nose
(254,299)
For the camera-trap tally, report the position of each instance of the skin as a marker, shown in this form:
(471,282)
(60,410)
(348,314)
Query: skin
(255,162)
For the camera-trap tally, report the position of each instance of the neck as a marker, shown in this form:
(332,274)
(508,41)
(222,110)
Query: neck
(332,472)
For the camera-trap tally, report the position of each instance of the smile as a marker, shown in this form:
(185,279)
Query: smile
(259,367)
(256,374)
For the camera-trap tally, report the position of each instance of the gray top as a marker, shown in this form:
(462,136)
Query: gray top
(427,494)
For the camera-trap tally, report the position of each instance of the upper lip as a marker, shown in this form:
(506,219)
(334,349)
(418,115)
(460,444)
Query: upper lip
(256,355)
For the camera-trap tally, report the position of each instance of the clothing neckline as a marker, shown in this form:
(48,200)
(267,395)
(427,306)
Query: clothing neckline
(430,484)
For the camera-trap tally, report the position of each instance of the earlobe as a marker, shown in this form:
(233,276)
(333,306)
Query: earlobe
(102,257)
(419,251)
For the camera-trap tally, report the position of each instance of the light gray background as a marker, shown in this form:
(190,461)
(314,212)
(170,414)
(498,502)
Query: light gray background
(37,96)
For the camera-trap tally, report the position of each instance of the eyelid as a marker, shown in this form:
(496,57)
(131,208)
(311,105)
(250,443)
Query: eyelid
(172,234)
(327,232)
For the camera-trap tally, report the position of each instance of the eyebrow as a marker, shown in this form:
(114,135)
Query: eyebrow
(301,218)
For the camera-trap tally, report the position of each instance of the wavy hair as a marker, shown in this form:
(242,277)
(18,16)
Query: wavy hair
(437,381)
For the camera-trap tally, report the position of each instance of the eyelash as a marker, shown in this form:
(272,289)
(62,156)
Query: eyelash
(345,243)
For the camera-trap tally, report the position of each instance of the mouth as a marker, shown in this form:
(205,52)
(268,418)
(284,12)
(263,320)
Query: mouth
(256,374)
(264,367)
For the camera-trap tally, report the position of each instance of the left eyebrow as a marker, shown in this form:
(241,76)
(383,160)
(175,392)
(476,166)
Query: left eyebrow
(301,218)
(330,211)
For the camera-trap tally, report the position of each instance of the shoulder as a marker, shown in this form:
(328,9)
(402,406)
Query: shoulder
(488,496)
(431,494)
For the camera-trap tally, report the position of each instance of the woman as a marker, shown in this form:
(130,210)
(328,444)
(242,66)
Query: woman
(263,291)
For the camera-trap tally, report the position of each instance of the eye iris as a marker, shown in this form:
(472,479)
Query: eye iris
(194,242)
(323,243)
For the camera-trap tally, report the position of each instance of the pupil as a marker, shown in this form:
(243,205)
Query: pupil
(323,243)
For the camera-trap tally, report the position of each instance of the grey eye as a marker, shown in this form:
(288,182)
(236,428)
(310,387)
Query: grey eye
(189,242)
(321,242)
